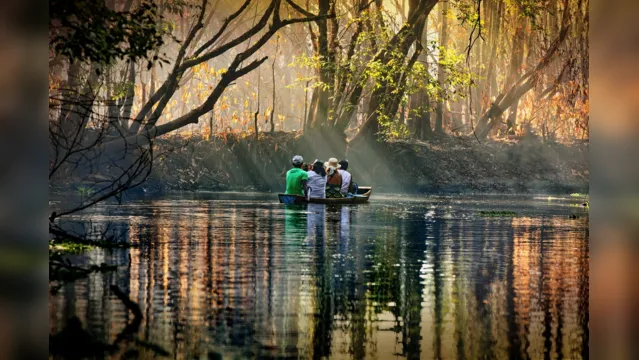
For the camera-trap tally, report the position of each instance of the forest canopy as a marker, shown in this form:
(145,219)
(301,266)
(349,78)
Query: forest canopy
(391,69)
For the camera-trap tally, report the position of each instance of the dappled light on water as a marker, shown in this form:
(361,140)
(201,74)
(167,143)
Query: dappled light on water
(419,280)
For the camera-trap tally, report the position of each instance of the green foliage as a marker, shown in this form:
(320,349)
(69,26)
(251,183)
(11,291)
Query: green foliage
(391,129)
(68,246)
(585,205)
(87,30)
(457,77)
(84,191)
(467,12)
(120,89)
(529,8)
(419,78)
(306,62)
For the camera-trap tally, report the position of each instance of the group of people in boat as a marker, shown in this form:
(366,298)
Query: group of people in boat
(320,180)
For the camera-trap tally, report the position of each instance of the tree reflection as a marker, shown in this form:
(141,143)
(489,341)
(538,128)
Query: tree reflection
(342,282)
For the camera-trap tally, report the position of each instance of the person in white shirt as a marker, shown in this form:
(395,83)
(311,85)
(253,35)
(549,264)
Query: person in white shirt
(316,182)
(346,177)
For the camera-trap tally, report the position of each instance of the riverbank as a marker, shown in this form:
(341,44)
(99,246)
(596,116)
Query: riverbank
(450,164)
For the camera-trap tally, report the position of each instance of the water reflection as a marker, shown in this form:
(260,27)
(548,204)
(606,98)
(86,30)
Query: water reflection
(415,281)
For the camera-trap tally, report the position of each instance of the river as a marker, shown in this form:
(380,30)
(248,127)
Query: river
(231,275)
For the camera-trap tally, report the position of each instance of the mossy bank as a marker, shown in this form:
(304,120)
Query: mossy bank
(449,164)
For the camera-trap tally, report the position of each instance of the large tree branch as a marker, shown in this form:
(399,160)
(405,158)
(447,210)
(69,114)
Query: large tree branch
(219,33)
(276,25)
(173,79)
(169,86)
(300,9)
(192,117)
(235,42)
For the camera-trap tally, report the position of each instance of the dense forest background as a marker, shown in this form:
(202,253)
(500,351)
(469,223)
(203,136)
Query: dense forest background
(185,94)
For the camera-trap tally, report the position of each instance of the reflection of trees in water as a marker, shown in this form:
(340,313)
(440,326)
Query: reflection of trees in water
(323,310)
(411,304)
(313,283)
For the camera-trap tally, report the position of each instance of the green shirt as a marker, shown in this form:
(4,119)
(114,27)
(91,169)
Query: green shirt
(294,178)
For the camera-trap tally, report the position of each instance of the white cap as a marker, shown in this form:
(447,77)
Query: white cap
(298,160)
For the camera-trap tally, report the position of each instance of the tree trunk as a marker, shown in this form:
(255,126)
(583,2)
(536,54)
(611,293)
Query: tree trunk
(320,113)
(511,121)
(413,106)
(211,123)
(419,116)
(257,111)
(312,109)
(441,76)
(128,98)
(495,36)
(277,45)
(305,117)
(515,65)
(456,111)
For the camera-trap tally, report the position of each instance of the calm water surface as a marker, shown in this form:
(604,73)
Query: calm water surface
(241,276)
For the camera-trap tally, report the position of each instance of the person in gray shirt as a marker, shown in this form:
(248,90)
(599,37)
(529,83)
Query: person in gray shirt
(346,177)
(317,181)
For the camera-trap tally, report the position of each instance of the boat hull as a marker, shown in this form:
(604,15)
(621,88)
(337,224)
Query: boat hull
(362,196)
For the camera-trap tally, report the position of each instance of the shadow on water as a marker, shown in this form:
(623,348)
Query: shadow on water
(414,279)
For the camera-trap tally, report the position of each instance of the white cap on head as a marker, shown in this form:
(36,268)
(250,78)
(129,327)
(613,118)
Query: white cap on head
(297,160)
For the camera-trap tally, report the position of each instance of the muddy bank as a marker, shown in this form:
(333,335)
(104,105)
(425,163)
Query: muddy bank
(442,165)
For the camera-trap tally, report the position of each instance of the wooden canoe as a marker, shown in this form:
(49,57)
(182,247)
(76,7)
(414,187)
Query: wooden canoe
(363,193)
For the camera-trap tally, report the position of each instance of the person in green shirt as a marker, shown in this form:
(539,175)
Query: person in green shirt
(296,178)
